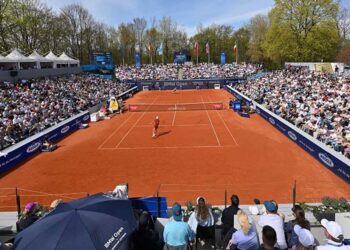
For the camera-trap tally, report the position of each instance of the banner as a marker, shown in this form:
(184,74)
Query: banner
(138,60)
(337,163)
(223,57)
(187,84)
(18,153)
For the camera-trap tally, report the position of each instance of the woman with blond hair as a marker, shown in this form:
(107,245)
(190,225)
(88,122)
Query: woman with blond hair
(246,237)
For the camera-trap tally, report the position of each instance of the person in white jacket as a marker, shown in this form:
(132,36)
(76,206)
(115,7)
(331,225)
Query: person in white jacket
(202,222)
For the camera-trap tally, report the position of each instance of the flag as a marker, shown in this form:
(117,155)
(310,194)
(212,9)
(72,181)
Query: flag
(207,49)
(195,48)
(235,48)
(160,49)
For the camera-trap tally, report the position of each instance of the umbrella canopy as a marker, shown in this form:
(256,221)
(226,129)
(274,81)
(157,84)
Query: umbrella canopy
(95,222)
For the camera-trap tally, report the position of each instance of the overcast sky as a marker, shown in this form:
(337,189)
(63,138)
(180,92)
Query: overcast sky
(188,14)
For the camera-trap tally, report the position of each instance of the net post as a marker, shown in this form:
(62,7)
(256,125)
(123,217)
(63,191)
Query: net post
(225,198)
(18,203)
(294,192)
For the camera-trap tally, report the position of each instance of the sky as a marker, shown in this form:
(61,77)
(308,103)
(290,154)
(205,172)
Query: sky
(188,14)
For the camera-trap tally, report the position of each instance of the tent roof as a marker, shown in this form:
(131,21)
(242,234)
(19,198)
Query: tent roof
(39,58)
(51,56)
(17,56)
(67,58)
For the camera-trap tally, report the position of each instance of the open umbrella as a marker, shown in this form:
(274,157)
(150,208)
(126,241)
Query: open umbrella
(94,222)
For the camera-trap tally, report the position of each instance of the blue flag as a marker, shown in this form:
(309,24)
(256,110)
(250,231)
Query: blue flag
(138,60)
(223,57)
(160,49)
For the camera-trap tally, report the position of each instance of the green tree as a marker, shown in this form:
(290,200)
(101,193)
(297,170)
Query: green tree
(300,31)
(258,26)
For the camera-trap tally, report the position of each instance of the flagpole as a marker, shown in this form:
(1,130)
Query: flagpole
(236,52)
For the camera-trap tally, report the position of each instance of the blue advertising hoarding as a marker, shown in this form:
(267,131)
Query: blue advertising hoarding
(187,84)
(338,164)
(31,146)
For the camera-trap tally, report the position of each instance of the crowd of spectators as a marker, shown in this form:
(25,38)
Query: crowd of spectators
(185,72)
(315,102)
(185,233)
(29,107)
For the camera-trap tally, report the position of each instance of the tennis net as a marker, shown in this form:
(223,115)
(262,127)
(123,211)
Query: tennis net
(176,107)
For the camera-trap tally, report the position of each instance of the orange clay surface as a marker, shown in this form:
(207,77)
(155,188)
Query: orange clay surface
(196,153)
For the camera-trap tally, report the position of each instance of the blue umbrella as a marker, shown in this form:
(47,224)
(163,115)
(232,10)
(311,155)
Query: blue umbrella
(95,222)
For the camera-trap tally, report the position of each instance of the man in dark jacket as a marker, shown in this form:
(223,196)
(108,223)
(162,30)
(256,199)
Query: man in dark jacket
(227,219)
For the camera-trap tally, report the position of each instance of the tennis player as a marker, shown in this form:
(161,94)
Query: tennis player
(155,126)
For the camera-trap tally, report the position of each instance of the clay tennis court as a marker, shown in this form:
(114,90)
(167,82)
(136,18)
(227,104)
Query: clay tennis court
(203,152)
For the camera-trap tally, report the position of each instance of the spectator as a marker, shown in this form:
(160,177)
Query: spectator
(245,238)
(275,221)
(30,107)
(177,234)
(227,219)
(306,240)
(145,238)
(29,216)
(201,222)
(269,238)
(334,235)
(299,214)
(315,102)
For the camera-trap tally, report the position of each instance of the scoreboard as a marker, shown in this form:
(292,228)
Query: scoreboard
(102,58)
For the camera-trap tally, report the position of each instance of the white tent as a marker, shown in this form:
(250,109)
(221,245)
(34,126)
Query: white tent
(15,55)
(69,59)
(51,56)
(39,58)
(41,61)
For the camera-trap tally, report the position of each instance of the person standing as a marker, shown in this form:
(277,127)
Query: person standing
(177,234)
(227,219)
(156,123)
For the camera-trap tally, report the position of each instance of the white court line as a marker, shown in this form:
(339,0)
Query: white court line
(174,117)
(134,125)
(180,125)
(173,147)
(223,121)
(212,126)
(115,131)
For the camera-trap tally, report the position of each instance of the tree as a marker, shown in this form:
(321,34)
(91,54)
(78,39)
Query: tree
(299,29)
(344,54)
(79,23)
(343,23)
(257,27)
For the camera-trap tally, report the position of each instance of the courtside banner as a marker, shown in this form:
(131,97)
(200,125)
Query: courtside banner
(334,161)
(187,84)
(20,152)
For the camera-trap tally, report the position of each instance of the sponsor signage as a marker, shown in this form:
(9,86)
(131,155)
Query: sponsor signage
(29,147)
(187,84)
(316,149)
